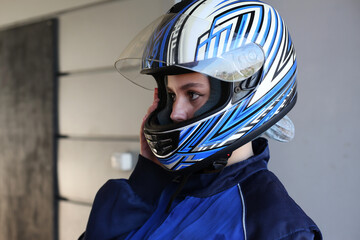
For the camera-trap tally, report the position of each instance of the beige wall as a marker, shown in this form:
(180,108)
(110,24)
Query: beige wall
(99,110)
(20,11)
(320,167)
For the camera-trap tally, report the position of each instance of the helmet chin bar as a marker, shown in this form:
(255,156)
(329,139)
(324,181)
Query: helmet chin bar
(162,144)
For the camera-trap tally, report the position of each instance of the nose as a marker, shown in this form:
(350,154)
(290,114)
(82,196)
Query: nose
(179,111)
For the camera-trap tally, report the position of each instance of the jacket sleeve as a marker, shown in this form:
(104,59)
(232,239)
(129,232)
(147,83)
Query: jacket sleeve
(121,206)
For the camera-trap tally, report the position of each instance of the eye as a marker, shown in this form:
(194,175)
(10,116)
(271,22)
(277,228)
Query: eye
(193,95)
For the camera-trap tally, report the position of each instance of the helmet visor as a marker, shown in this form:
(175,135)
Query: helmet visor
(191,43)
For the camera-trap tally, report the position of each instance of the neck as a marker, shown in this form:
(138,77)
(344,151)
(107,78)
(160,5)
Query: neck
(241,154)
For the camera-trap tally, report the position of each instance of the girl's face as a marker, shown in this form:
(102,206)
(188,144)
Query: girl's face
(189,93)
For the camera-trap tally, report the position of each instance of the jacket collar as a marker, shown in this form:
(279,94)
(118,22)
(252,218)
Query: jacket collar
(204,185)
(149,180)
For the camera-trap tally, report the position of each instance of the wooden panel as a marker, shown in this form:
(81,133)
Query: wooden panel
(95,37)
(84,166)
(72,220)
(101,104)
(27,131)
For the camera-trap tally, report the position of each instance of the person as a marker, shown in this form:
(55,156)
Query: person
(225,74)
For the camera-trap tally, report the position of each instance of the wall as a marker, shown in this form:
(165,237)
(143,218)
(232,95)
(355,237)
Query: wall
(319,168)
(100,112)
(18,12)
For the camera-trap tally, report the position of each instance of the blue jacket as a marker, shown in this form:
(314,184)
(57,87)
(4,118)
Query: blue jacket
(243,201)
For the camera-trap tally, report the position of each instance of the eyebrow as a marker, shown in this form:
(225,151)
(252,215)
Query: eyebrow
(189,85)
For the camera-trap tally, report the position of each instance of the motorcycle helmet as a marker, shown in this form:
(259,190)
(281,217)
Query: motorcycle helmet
(245,50)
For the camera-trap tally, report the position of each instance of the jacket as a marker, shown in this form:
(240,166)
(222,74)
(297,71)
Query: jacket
(243,201)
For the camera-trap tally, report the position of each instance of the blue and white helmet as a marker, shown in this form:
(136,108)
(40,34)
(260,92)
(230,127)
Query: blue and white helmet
(245,50)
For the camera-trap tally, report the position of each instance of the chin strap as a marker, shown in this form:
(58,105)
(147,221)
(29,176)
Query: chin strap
(218,164)
(182,183)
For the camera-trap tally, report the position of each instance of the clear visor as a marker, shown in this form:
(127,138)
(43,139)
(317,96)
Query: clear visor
(219,51)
